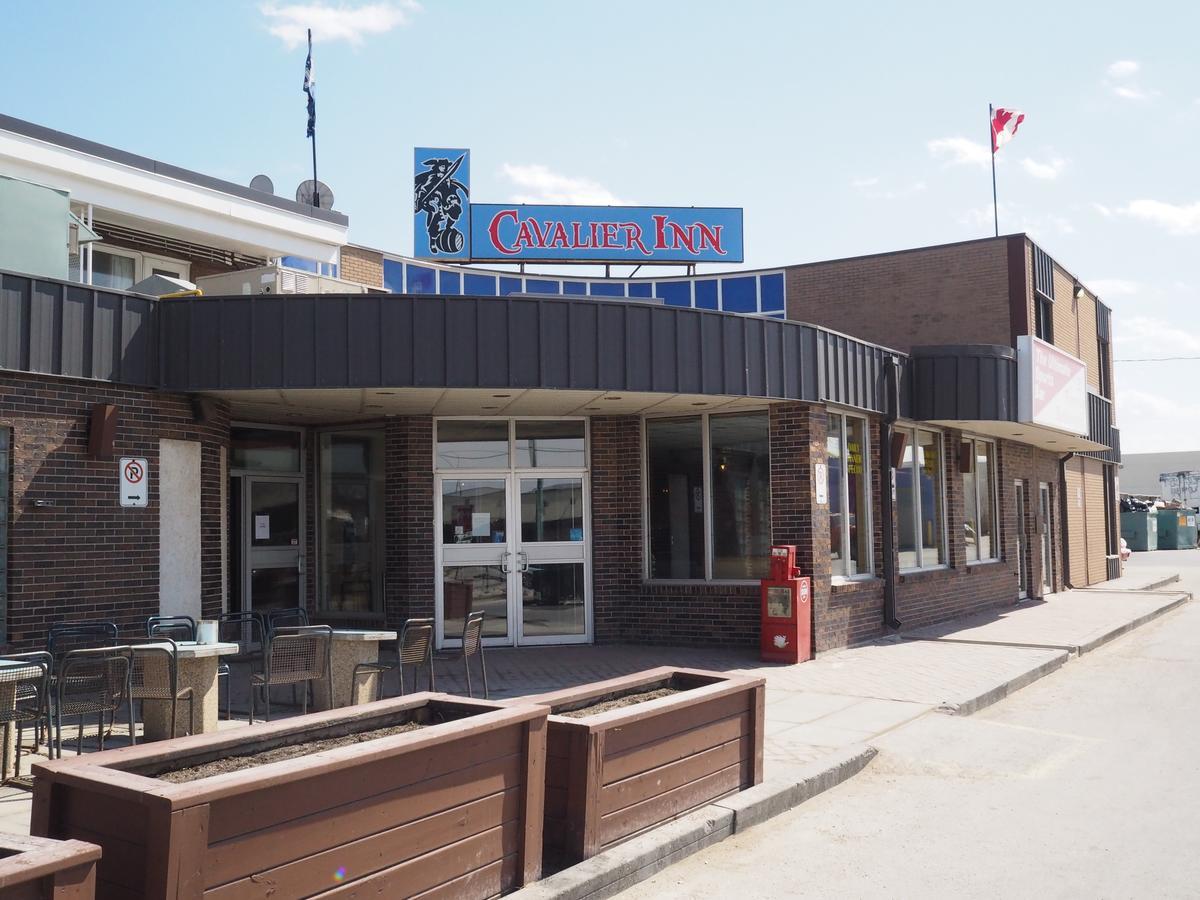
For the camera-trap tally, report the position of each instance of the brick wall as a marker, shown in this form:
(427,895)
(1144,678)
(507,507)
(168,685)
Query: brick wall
(86,557)
(408,565)
(953,294)
(361,265)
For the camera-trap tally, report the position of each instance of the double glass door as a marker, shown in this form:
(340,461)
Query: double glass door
(515,546)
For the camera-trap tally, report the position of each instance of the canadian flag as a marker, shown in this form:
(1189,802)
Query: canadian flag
(1004,126)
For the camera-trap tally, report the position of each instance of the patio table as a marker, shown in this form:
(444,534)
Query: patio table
(8,700)
(350,647)
(197,666)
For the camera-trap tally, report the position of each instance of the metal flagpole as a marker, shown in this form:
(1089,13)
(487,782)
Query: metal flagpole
(991,146)
(316,195)
(309,86)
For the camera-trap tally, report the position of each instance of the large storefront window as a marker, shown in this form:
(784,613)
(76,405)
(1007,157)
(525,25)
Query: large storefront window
(920,500)
(981,530)
(351,492)
(849,491)
(726,497)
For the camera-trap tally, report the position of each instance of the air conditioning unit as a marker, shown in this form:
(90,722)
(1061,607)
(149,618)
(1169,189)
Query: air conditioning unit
(275,280)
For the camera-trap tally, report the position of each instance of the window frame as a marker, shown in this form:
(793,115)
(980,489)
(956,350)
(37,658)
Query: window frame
(143,263)
(511,466)
(706,468)
(6,455)
(912,431)
(997,544)
(843,416)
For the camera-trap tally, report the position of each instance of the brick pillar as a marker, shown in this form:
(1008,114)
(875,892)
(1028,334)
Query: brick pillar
(797,446)
(408,567)
(616,494)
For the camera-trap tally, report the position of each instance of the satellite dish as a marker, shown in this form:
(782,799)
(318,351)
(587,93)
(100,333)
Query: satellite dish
(262,183)
(304,194)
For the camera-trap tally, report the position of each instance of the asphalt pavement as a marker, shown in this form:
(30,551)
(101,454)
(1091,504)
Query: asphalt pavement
(1086,783)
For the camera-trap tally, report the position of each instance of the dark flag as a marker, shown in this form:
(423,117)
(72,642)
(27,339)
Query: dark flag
(310,84)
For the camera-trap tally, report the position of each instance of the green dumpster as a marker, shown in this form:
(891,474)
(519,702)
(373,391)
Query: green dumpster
(1140,529)
(1176,529)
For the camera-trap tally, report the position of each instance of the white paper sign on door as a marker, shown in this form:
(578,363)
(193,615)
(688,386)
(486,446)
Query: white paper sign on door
(481,524)
(821,482)
(262,528)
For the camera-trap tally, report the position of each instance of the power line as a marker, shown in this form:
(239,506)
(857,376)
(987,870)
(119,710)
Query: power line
(1159,359)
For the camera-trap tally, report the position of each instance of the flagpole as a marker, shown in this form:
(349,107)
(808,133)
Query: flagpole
(316,199)
(991,146)
(312,119)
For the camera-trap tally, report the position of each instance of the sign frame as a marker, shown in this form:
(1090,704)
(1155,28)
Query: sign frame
(1051,387)
(134,488)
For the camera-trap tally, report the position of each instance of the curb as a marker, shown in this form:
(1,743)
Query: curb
(1135,623)
(972,705)
(637,859)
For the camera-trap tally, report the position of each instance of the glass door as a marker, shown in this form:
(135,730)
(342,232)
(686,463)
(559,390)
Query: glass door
(272,545)
(476,556)
(1047,540)
(551,600)
(514,547)
(1022,543)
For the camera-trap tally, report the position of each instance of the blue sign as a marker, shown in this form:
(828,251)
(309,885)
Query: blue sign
(634,234)
(442,203)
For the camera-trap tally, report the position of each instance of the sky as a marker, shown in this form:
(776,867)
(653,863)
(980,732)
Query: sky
(842,129)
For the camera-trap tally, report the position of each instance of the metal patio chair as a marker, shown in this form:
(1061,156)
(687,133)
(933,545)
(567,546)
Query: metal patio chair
(249,631)
(295,656)
(66,637)
(155,676)
(414,648)
(93,681)
(472,645)
(29,682)
(183,628)
(290,617)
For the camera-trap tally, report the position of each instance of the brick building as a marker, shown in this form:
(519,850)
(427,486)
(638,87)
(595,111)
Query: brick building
(587,459)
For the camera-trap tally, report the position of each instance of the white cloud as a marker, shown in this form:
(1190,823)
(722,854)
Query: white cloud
(1148,336)
(1114,287)
(1175,218)
(1103,210)
(1049,170)
(539,184)
(960,151)
(1012,220)
(352,24)
(1123,68)
(1133,93)
(862,183)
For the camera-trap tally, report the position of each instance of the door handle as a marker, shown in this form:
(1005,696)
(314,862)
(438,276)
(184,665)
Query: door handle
(504,566)
(524,561)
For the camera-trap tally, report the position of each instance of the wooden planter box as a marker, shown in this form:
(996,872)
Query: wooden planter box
(455,806)
(34,868)
(612,775)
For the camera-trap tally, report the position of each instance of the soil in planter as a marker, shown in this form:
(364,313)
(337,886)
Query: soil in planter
(609,703)
(278,754)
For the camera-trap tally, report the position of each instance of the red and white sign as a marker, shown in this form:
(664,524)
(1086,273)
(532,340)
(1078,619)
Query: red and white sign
(1051,387)
(135,481)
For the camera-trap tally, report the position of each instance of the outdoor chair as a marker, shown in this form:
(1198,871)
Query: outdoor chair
(472,645)
(93,682)
(66,637)
(295,656)
(28,680)
(155,676)
(183,628)
(291,617)
(414,648)
(249,631)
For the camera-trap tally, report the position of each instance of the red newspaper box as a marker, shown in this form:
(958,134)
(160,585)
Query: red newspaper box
(786,633)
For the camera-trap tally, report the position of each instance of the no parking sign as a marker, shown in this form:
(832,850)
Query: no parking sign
(135,481)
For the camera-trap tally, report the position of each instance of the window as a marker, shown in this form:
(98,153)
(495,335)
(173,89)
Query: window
(708,485)
(351,491)
(1043,318)
(849,489)
(112,270)
(920,501)
(1104,353)
(264,449)
(981,529)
